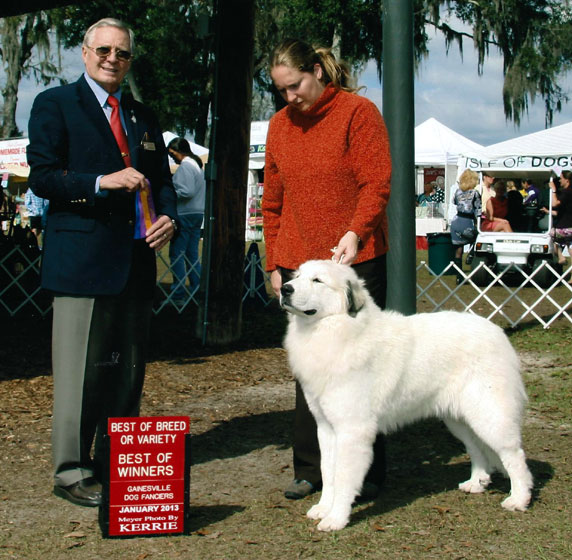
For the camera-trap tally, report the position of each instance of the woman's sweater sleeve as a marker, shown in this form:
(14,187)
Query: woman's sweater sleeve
(272,201)
(371,162)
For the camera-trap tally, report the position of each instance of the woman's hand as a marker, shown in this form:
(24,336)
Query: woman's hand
(276,282)
(346,251)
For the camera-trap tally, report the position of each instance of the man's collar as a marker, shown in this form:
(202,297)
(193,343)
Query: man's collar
(99,92)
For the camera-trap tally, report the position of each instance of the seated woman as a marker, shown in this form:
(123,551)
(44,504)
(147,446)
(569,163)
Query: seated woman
(496,210)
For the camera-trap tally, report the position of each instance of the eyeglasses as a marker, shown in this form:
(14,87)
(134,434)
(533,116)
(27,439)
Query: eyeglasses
(104,52)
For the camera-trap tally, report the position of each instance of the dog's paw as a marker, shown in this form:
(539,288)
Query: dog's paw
(317,512)
(515,504)
(332,523)
(474,486)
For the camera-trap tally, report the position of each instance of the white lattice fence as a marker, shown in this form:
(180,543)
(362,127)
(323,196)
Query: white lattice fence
(20,282)
(509,298)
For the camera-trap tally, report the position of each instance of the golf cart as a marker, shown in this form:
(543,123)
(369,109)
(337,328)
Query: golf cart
(518,251)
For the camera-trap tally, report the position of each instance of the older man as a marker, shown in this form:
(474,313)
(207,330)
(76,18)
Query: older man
(99,158)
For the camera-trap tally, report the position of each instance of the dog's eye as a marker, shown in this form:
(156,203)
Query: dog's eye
(318,280)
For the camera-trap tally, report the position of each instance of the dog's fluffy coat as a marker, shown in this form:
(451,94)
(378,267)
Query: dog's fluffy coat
(364,370)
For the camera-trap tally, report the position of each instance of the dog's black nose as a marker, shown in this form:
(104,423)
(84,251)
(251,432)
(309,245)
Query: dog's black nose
(286,289)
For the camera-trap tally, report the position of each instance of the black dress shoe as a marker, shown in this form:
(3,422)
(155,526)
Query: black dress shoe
(299,489)
(369,492)
(86,492)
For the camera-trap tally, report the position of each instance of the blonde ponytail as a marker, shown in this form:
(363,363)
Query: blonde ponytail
(336,72)
(297,54)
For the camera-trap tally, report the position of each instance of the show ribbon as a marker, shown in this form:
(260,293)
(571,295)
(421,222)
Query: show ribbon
(144,208)
(145,214)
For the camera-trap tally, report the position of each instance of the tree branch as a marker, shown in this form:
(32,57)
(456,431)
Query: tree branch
(448,31)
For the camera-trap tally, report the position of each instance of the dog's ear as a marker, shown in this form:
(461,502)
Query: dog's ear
(356,297)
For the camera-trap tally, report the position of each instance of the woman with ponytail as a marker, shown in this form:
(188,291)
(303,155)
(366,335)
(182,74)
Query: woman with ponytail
(326,189)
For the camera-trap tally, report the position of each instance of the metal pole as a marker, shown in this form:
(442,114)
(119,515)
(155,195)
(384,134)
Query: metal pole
(399,115)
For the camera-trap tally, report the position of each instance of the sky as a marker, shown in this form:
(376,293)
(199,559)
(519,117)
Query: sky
(447,88)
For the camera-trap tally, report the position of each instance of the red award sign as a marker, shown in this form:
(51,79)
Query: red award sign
(149,473)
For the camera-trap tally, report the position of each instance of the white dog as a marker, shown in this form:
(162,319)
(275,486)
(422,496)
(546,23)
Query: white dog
(364,370)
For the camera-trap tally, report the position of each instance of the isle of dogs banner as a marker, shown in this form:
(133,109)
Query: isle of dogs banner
(146,488)
(516,163)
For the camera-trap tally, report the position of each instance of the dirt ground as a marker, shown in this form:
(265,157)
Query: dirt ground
(240,402)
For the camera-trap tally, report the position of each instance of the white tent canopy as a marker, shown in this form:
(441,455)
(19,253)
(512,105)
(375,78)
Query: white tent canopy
(438,145)
(544,142)
(258,132)
(530,155)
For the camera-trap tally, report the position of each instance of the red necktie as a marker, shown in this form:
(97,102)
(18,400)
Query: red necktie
(144,208)
(117,129)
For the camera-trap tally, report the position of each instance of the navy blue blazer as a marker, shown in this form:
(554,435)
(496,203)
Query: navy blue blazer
(88,241)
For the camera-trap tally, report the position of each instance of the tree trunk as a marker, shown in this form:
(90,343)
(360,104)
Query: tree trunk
(16,50)
(220,313)
(19,36)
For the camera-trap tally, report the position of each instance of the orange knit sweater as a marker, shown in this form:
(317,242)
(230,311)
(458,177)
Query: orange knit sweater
(327,172)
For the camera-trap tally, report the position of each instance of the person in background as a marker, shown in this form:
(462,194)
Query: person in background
(37,212)
(543,207)
(562,203)
(532,193)
(514,207)
(485,189)
(98,156)
(497,210)
(439,194)
(531,204)
(189,183)
(467,201)
(427,195)
(326,189)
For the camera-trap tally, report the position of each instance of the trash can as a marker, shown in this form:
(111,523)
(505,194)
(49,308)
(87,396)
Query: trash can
(441,252)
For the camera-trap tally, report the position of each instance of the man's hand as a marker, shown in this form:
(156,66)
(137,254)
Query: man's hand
(160,233)
(128,179)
